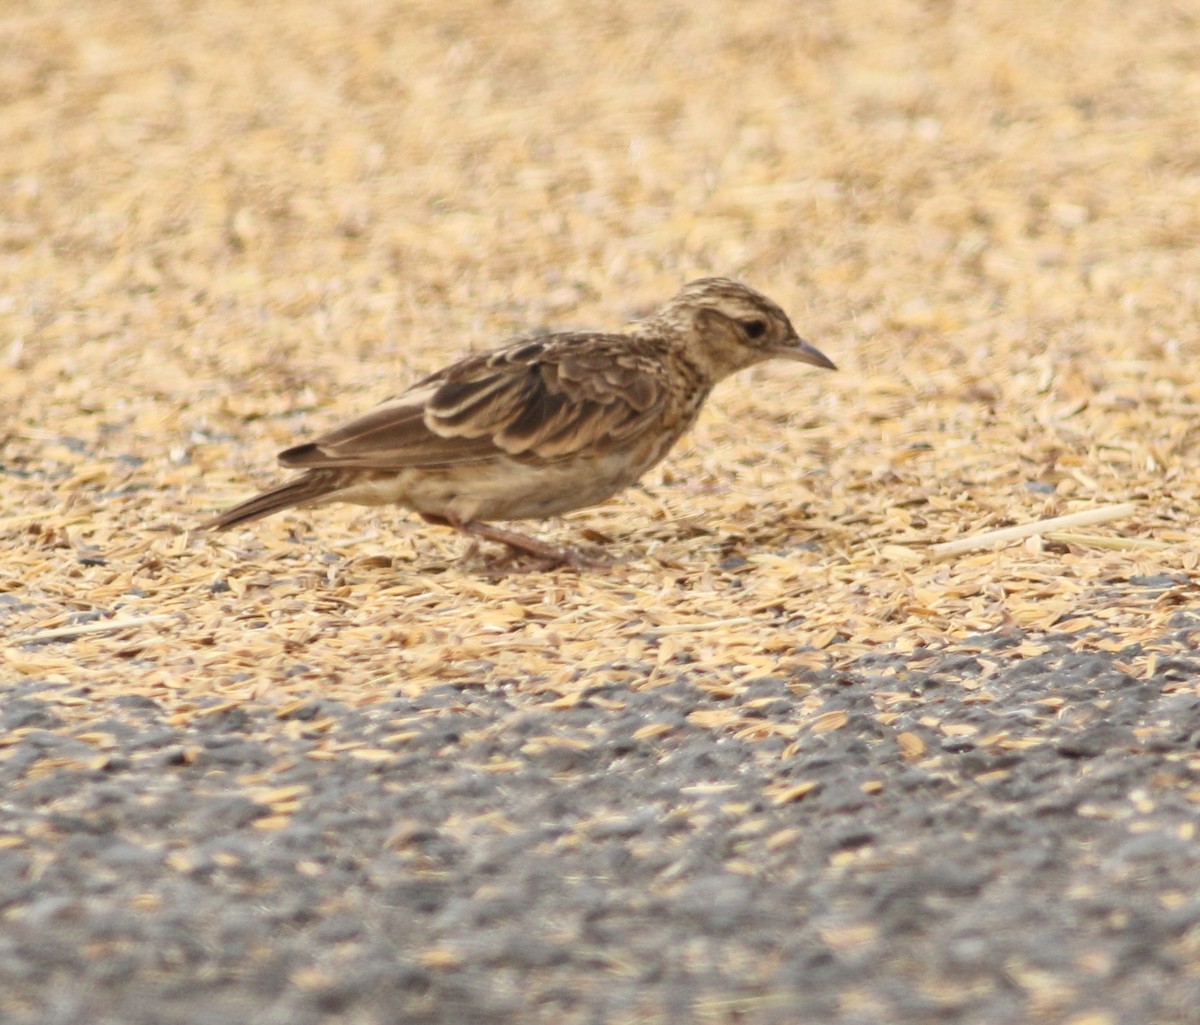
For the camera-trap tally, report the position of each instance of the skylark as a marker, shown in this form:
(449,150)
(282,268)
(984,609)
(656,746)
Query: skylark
(541,426)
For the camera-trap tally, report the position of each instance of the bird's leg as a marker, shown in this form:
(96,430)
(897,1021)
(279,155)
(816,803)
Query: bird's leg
(543,552)
(548,554)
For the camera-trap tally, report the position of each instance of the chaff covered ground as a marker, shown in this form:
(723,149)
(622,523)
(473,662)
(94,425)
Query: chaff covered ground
(228,226)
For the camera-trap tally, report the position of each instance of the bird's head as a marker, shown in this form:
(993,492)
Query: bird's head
(735,327)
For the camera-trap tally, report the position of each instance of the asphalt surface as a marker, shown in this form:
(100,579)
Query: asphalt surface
(965,835)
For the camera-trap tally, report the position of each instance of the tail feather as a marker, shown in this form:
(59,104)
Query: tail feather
(304,490)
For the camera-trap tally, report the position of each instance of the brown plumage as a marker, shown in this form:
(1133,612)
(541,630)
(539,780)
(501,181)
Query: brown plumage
(543,425)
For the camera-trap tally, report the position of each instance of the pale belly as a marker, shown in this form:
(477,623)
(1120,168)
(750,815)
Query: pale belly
(502,489)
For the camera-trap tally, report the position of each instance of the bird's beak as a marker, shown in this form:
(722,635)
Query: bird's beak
(799,350)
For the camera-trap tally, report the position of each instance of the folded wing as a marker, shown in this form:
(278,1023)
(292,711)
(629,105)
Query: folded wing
(537,400)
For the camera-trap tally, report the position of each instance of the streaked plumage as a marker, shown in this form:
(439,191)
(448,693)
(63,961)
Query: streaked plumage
(543,425)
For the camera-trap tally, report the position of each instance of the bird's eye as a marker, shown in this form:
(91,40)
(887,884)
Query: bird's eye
(754,328)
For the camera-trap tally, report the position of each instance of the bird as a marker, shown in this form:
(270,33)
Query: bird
(541,426)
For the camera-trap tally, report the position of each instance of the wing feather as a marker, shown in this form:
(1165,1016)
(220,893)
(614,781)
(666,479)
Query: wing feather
(538,400)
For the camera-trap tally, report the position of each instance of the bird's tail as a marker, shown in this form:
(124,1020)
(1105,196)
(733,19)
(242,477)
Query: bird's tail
(304,490)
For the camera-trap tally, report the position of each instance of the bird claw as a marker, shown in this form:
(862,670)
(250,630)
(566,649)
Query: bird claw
(536,555)
(521,560)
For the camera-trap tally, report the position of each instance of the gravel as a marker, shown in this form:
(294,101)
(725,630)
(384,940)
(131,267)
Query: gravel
(498,860)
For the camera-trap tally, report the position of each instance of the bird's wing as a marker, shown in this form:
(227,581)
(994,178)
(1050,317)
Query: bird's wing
(537,399)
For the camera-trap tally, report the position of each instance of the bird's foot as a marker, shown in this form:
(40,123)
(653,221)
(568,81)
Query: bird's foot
(521,560)
(534,554)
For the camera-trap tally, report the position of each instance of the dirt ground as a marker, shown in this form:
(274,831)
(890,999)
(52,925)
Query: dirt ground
(226,226)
